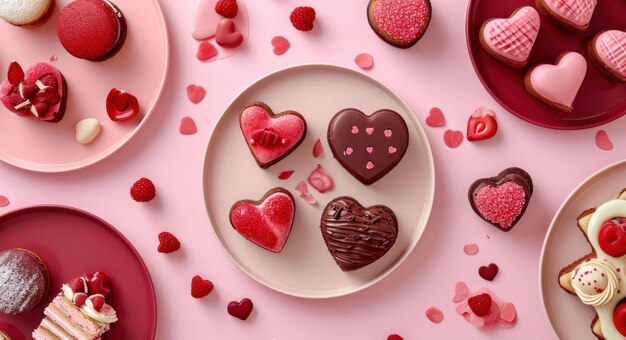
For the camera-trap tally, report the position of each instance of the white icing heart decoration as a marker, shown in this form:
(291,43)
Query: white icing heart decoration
(559,83)
(513,38)
(577,12)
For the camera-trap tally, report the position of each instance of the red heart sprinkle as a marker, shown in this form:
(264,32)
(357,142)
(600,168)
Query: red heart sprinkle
(195,93)
(206,51)
(241,309)
(280,44)
(453,138)
(187,126)
(488,272)
(435,118)
(603,141)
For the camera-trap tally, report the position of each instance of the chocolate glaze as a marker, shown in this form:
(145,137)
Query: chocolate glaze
(348,129)
(357,236)
(515,175)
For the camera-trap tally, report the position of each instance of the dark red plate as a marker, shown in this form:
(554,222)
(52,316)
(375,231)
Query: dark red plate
(72,242)
(600,99)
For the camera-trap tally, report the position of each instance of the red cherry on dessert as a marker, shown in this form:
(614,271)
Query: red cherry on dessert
(15,74)
(97,301)
(77,285)
(121,105)
(619,318)
(98,283)
(481,125)
(79,299)
(612,238)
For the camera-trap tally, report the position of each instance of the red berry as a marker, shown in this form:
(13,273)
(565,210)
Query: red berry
(168,243)
(481,125)
(612,238)
(619,318)
(97,301)
(79,299)
(15,74)
(227,8)
(480,304)
(302,18)
(76,285)
(395,337)
(200,287)
(143,190)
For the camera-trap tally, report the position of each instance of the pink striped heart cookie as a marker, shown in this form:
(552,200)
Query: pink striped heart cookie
(557,85)
(608,52)
(510,40)
(574,15)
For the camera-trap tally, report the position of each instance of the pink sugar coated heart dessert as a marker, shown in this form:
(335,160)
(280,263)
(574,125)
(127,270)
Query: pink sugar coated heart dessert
(571,14)
(557,85)
(502,200)
(400,23)
(266,222)
(271,137)
(608,51)
(498,314)
(511,40)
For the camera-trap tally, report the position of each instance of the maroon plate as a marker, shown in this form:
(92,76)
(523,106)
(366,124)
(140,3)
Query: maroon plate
(72,242)
(600,99)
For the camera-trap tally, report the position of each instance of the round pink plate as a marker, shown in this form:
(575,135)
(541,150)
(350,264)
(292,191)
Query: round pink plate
(565,243)
(600,99)
(72,242)
(139,68)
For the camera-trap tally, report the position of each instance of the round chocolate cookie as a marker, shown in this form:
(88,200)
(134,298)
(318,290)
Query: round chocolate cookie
(23,281)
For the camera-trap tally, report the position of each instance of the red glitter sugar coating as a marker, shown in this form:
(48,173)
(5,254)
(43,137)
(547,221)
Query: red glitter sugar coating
(402,20)
(501,205)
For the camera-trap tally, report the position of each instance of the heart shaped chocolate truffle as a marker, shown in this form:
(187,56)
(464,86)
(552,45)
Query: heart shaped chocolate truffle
(368,146)
(271,137)
(502,200)
(357,236)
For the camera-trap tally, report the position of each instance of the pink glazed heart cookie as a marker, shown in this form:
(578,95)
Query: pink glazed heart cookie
(511,40)
(266,222)
(557,85)
(502,200)
(271,137)
(400,23)
(608,52)
(573,15)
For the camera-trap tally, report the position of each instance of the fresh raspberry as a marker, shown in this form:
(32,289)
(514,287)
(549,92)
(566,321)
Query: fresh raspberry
(480,304)
(200,287)
(97,301)
(143,190)
(227,8)
(79,299)
(76,285)
(302,18)
(168,243)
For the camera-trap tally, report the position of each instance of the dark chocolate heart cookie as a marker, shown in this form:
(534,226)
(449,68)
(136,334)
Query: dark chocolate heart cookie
(357,236)
(368,146)
(502,200)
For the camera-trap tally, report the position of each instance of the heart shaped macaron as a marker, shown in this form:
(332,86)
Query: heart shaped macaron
(608,52)
(368,146)
(511,40)
(400,23)
(557,85)
(357,236)
(266,222)
(574,15)
(271,137)
(502,200)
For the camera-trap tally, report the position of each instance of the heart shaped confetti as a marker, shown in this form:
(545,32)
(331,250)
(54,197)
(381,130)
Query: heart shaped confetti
(603,141)
(227,35)
(4,201)
(453,138)
(195,93)
(204,20)
(435,118)
(206,51)
(488,272)
(187,126)
(240,310)
(280,45)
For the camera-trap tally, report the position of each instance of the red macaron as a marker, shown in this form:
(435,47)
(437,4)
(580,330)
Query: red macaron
(92,29)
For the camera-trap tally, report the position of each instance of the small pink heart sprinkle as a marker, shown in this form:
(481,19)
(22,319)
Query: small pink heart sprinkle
(280,44)
(470,249)
(369,130)
(285,174)
(53,58)
(453,138)
(187,126)
(603,141)
(369,165)
(369,149)
(4,201)
(206,51)
(435,118)
(364,61)
(348,151)
(195,93)
(434,314)
(355,130)
(392,149)
(388,133)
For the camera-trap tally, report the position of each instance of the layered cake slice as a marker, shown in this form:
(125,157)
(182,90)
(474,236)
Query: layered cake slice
(79,311)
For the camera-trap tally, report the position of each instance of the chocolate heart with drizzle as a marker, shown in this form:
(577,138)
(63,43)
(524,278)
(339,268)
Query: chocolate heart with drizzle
(357,236)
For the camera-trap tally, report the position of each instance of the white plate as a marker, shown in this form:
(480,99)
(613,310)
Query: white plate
(305,268)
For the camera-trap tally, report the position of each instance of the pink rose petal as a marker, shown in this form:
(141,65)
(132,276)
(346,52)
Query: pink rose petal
(364,61)
(434,314)
(4,201)
(308,198)
(206,51)
(187,126)
(320,180)
(318,150)
(285,174)
(280,45)
(471,249)
(508,312)
(302,188)
(603,141)
(195,93)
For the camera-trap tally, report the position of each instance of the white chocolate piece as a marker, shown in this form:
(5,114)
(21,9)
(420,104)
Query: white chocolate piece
(87,129)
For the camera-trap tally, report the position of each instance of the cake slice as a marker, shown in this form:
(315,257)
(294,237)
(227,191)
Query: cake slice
(79,311)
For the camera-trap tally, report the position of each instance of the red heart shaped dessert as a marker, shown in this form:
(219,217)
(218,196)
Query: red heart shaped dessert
(368,146)
(400,23)
(357,236)
(39,93)
(502,200)
(271,137)
(266,222)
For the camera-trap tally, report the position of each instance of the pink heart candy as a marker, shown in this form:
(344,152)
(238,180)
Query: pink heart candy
(435,118)
(195,93)
(206,51)
(187,126)
(354,130)
(392,149)
(204,19)
(388,133)
(369,149)
(559,83)
(369,130)
(227,35)
(280,45)
(453,138)
(513,38)
(603,141)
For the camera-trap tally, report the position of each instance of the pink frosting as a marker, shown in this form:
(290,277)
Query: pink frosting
(402,20)
(502,314)
(502,204)
(514,37)
(611,48)
(577,12)
(560,83)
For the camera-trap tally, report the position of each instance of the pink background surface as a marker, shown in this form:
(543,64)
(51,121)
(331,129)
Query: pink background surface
(435,72)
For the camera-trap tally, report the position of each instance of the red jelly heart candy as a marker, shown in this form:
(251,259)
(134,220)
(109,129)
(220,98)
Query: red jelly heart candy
(121,105)
(241,309)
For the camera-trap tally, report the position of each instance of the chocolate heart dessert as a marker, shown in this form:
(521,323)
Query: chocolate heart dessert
(39,93)
(357,236)
(266,222)
(502,200)
(368,146)
(271,137)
